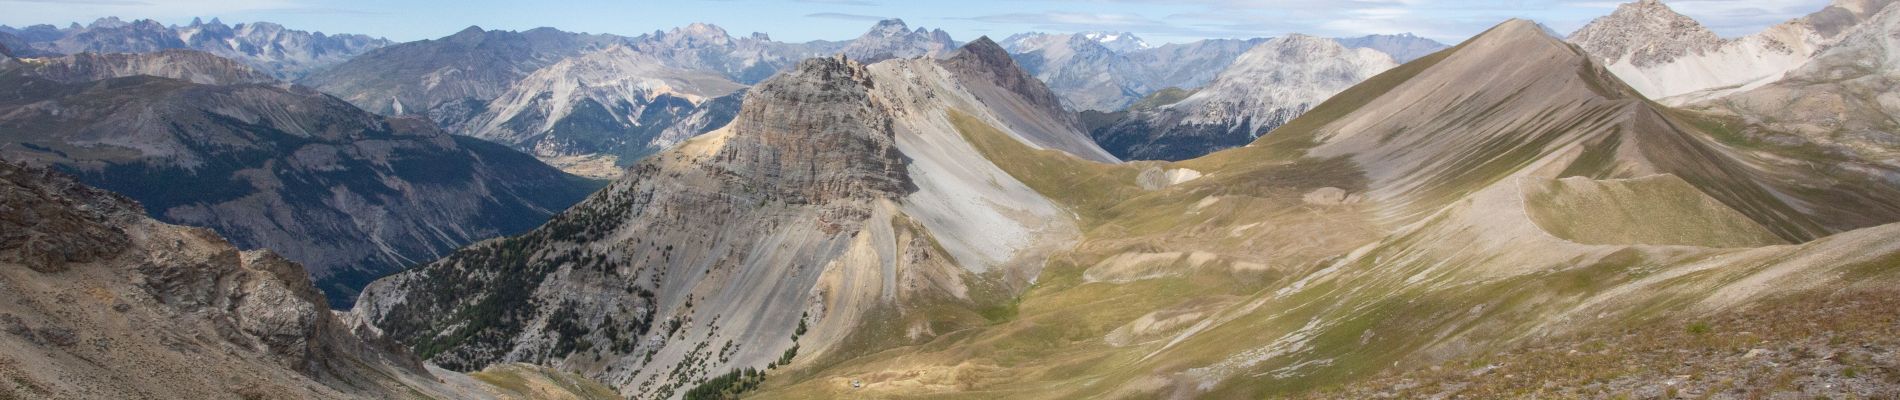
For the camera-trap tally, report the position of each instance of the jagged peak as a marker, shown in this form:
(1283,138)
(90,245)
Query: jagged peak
(701,29)
(470,30)
(892,27)
(107,22)
(892,23)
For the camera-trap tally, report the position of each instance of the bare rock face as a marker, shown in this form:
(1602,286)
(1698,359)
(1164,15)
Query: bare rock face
(813,155)
(1646,33)
(103,302)
(45,232)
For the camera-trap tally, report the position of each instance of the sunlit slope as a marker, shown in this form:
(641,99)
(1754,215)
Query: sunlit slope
(1434,212)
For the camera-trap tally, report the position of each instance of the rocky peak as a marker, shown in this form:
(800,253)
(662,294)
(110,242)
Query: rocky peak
(984,60)
(891,38)
(813,134)
(105,23)
(985,53)
(1645,33)
(889,27)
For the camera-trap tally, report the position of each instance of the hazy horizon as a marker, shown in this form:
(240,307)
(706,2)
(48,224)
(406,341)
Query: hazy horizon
(1157,22)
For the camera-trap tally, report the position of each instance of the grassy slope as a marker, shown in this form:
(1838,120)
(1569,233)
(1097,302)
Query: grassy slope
(524,381)
(1660,210)
(1053,343)
(1323,311)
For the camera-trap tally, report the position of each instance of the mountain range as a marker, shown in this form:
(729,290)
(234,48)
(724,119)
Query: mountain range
(456,81)
(1107,72)
(1262,89)
(902,215)
(271,48)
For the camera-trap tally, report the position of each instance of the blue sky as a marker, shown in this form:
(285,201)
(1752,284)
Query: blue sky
(800,20)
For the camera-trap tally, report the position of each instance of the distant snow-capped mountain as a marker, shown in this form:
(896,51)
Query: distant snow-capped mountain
(272,48)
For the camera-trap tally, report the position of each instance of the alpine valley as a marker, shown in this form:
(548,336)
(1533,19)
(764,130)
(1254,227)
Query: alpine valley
(1640,209)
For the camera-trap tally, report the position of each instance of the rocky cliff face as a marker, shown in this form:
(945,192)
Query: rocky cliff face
(595,113)
(841,212)
(102,301)
(281,52)
(1645,33)
(1263,89)
(350,194)
(452,79)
